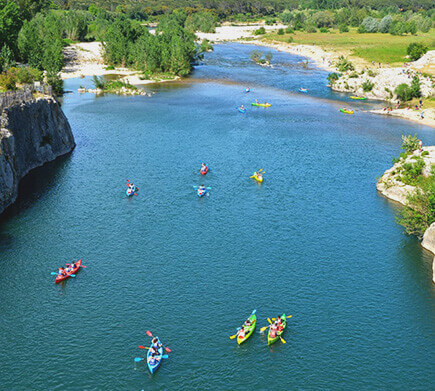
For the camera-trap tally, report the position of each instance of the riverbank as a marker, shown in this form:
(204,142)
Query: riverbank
(86,59)
(411,115)
(391,185)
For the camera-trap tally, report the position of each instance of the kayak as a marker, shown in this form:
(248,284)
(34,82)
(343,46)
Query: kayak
(74,271)
(155,366)
(241,110)
(257,177)
(345,111)
(130,191)
(247,90)
(261,104)
(249,329)
(204,171)
(358,97)
(271,340)
(303,90)
(201,192)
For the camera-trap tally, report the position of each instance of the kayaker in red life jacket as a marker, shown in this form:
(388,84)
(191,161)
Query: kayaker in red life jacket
(62,271)
(203,166)
(242,333)
(273,331)
(248,322)
(278,320)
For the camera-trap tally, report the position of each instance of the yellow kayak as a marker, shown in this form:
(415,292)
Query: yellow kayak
(346,111)
(261,104)
(258,177)
(358,97)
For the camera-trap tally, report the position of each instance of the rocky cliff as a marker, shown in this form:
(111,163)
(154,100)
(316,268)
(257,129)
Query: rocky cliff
(391,186)
(33,131)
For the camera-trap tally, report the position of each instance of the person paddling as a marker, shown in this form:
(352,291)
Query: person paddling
(241,332)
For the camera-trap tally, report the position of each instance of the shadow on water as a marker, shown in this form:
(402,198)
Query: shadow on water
(34,186)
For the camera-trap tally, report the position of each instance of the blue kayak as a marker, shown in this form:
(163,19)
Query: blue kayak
(130,191)
(303,90)
(201,192)
(241,110)
(158,358)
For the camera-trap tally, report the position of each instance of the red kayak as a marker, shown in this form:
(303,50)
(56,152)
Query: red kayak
(204,171)
(61,278)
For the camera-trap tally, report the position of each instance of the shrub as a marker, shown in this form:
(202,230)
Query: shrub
(333,77)
(56,83)
(397,28)
(290,39)
(8,81)
(110,68)
(206,46)
(99,82)
(403,92)
(353,75)
(256,55)
(281,32)
(410,143)
(343,64)
(324,30)
(367,86)
(425,153)
(361,29)
(289,30)
(416,50)
(412,171)
(371,73)
(343,28)
(260,31)
(311,29)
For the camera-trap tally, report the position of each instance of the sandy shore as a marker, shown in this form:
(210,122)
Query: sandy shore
(412,115)
(85,59)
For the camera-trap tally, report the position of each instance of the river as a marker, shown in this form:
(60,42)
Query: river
(314,240)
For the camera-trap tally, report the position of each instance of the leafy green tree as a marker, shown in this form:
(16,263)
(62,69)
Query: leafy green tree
(384,25)
(10,25)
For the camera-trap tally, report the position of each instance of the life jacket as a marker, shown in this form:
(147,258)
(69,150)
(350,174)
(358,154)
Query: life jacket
(272,332)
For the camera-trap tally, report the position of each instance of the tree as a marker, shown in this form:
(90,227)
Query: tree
(384,25)
(371,25)
(10,25)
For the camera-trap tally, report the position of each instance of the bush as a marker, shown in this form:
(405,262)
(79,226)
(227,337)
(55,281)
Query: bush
(311,29)
(412,171)
(361,29)
(397,28)
(26,75)
(324,30)
(56,83)
(333,77)
(367,86)
(416,50)
(99,82)
(289,30)
(206,46)
(343,28)
(371,73)
(290,39)
(281,32)
(425,153)
(260,31)
(353,75)
(405,92)
(256,55)
(410,143)
(343,64)
(8,81)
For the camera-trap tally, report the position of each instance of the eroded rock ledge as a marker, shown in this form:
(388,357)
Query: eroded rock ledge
(33,131)
(393,188)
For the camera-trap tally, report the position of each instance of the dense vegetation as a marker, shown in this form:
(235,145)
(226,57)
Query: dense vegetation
(419,213)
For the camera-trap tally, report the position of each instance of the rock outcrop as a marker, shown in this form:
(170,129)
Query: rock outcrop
(393,188)
(32,132)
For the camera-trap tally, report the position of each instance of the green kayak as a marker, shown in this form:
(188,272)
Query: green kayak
(272,340)
(248,329)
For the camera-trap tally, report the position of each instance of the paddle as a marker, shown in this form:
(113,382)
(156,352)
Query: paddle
(150,334)
(264,328)
(55,274)
(288,317)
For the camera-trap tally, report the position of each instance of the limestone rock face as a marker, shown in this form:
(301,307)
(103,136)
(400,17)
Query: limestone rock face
(32,133)
(429,244)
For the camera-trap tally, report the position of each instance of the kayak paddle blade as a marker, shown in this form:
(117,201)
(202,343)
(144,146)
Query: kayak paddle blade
(268,319)
(138,359)
(165,356)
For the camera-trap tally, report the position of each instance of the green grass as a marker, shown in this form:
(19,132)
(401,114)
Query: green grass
(376,47)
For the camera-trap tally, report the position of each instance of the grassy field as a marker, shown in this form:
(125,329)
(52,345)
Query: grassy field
(376,47)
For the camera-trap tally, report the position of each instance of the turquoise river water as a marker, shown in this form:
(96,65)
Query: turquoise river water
(314,240)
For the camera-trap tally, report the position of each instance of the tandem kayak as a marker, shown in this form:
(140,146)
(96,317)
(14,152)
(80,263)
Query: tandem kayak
(271,340)
(131,190)
(358,97)
(248,329)
(203,171)
(60,278)
(303,90)
(153,367)
(346,111)
(258,177)
(261,104)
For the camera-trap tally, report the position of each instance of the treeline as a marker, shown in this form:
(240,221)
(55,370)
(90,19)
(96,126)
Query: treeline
(170,50)
(253,7)
(366,20)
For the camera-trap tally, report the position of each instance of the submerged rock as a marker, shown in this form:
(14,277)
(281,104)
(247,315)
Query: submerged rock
(32,132)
